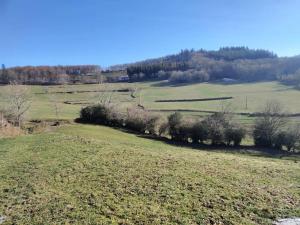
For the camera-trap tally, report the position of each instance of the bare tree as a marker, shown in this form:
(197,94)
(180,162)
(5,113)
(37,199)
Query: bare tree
(19,102)
(269,124)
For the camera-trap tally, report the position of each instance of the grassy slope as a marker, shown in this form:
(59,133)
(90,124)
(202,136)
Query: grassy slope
(257,93)
(90,174)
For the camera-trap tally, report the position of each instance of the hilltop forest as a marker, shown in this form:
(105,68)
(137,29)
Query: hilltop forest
(239,63)
(188,66)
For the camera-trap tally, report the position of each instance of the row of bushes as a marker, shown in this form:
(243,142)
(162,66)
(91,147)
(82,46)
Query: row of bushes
(216,129)
(135,119)
(270,128)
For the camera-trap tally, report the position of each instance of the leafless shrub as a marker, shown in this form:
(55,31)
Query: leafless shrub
(18,103)
(269,124)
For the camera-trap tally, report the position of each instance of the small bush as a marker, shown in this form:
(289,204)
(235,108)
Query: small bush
(136,120)
(279,140)
(179,129)
(234,134)
(174,121)
(185,131)
(264,133)
(216,124)
(93,114)
(114,117)
(104,114)
(288,139)
(268,126)
(199,132)
(142,121)
(152,124)
(292,139)
(163,129)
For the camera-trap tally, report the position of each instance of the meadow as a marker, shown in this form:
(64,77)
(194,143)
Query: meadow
(83,174)
(247,97)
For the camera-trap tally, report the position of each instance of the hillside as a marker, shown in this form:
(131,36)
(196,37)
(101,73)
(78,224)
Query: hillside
(188,66)
(238,63)
(92,174)
(70,98)
(83,174)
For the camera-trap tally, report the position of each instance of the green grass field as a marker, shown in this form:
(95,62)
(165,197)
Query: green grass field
(256,93)
(82,174)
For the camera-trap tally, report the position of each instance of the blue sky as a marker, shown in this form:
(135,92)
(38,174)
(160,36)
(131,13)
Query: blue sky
(107,32)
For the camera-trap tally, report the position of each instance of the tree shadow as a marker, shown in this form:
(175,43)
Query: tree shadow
(243,149)
(166,83)
(247,150)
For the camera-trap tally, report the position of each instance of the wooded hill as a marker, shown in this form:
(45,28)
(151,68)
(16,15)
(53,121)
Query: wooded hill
(189,66)
(239,63)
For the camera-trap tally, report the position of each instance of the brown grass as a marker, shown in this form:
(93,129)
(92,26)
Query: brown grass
(7,129)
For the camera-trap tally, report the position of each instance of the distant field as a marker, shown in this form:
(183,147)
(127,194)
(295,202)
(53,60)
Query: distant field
(83,174)
(252,95)
(256,93)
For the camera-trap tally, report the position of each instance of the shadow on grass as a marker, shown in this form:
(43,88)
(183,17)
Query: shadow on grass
(166,83)
(247,150)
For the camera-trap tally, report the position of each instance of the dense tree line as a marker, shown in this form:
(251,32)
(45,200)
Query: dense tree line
(238,63)
(151,71)
(233,62)
(235,53)
(47,74)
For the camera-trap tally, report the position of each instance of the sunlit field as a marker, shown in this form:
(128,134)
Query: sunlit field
(247,97)
(82,174)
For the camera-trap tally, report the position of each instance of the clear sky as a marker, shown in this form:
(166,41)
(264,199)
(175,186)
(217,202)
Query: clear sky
(107,32)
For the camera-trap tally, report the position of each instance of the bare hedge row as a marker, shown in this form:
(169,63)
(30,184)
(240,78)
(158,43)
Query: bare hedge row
(216,129)
(270,130)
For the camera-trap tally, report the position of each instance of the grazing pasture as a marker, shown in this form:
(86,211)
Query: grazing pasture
(81,174)
(247,97)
